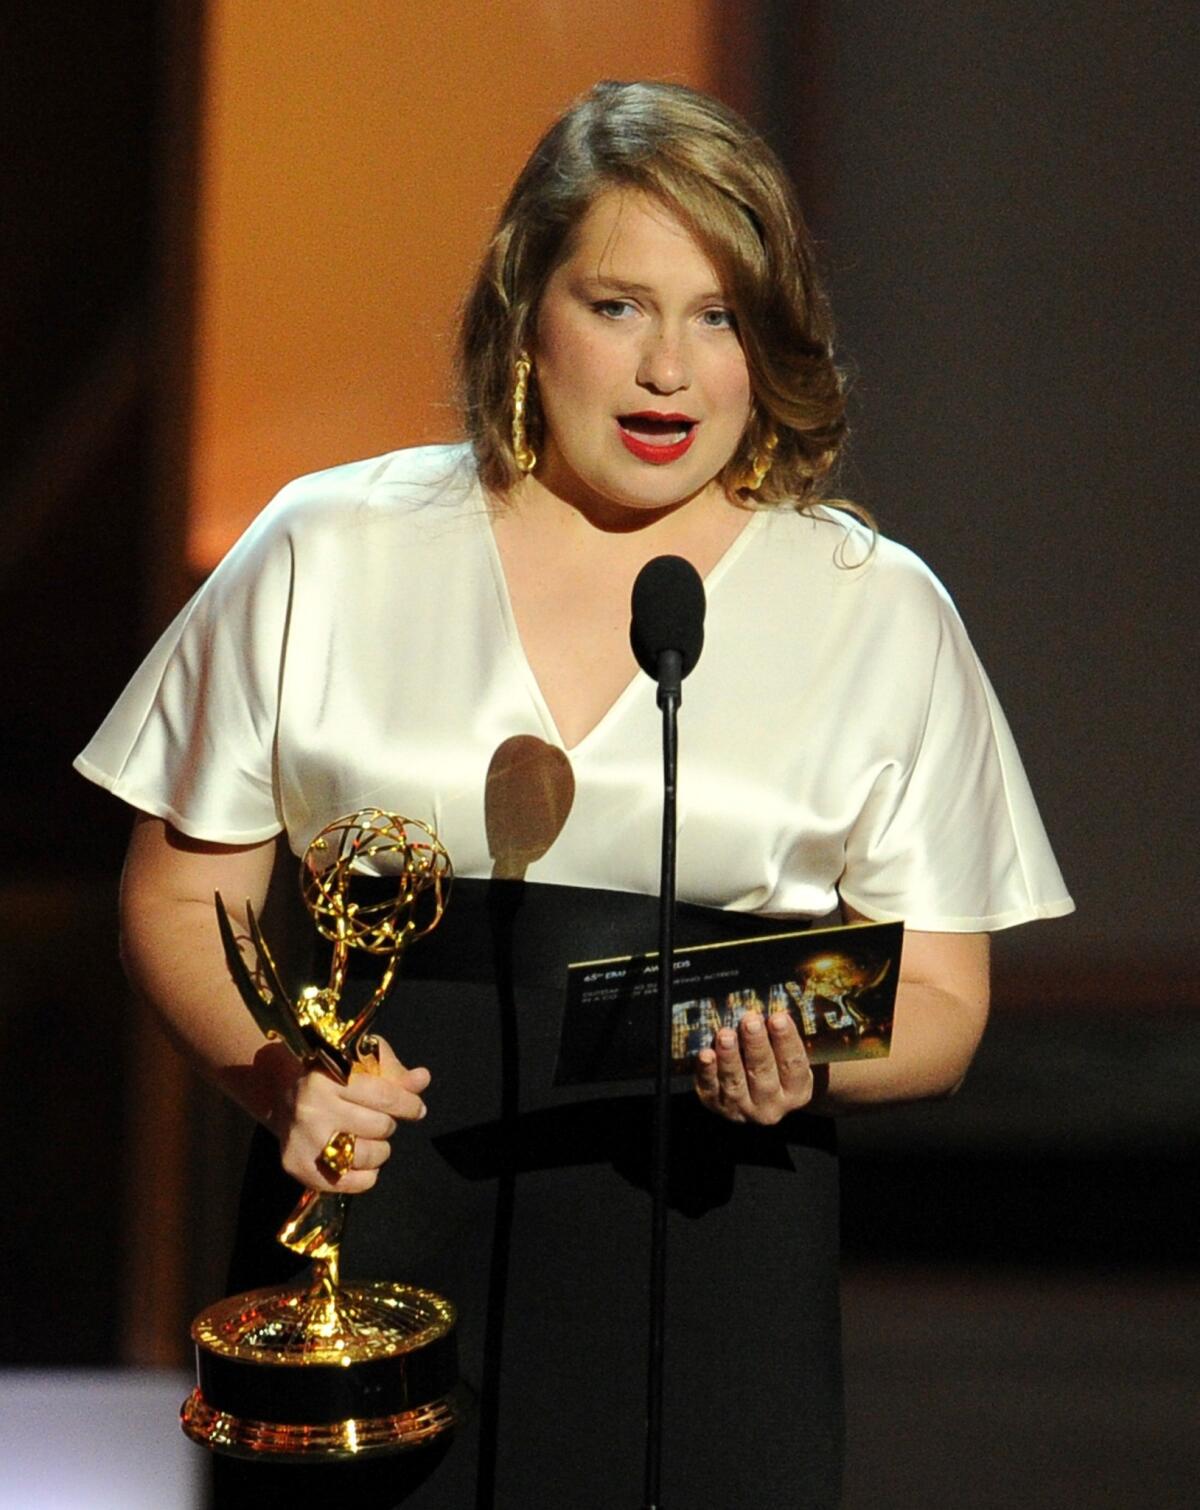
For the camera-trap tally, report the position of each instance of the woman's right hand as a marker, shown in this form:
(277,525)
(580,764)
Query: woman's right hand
(312,1107)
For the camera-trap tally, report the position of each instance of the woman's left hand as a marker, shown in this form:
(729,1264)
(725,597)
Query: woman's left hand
(758,1073)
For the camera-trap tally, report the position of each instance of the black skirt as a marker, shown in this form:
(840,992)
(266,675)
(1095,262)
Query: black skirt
(528,1206)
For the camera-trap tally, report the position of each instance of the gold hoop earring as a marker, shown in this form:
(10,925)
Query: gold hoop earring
(761,463)
(523,453)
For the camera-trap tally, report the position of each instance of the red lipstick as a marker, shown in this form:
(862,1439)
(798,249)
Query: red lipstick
(655,437)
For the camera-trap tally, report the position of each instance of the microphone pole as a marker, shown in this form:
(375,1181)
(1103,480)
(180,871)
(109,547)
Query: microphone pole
(668,701)
(667,633)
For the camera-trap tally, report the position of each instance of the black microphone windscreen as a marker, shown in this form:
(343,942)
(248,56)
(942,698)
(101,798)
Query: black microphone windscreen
(668,613)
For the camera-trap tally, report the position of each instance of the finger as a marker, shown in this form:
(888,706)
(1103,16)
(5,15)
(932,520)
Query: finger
(386,1055)
(758,1058)
(416,1079)
(353,1182)
(367,1155)
(731,1075)
(363,1105)
(791,1057)
(306,1166)
(370,1153)
(364,1122)
(704,1076)
(705,1068)
(322,1112)
(395,1068)
(377,1059)
(382,1093)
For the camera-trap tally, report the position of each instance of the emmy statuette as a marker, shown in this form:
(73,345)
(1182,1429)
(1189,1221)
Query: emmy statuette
(326,1370)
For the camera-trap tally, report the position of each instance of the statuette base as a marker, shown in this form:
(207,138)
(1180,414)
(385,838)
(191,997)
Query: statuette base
(324,1372)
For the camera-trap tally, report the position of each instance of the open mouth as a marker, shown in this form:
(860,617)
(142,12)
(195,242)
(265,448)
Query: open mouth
(657,438)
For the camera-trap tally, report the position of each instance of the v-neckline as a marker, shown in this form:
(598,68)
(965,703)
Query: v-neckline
(516,645)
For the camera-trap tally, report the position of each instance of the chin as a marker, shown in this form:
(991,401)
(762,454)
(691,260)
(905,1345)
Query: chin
(625,483)
(653,500)
(654,489)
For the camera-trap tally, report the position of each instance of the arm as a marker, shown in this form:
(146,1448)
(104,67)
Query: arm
(941,1010)
(173,956)
(759,1074)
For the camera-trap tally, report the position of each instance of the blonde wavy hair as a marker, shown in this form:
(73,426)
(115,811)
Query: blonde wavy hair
(722,181)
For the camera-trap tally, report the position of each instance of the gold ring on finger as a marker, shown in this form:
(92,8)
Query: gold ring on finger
(337,1157)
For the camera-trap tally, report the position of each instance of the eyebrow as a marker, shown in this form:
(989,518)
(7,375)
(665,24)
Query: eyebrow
(622,286)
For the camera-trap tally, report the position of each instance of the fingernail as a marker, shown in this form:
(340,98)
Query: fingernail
(424,1110)
(726,1039)
(778,1022)
(753,1023)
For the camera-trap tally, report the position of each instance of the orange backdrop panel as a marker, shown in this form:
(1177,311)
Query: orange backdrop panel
(354,158)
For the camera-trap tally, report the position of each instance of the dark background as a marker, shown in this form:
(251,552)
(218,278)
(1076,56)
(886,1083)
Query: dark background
(1004,194)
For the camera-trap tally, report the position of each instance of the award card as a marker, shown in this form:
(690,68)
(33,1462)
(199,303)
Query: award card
(837,984)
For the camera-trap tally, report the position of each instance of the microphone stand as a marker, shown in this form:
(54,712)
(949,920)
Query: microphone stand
(670,678)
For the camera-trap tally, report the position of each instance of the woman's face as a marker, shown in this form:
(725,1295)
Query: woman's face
(642,380)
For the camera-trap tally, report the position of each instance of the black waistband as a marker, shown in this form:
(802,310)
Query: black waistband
(528,933)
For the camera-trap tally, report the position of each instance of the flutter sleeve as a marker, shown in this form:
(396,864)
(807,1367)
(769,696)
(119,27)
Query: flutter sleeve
(192,737)
(949,838)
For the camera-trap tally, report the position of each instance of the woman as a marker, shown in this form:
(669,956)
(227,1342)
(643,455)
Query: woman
(444,633)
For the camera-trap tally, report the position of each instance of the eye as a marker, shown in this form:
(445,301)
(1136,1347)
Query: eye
(719,318)
(614,309)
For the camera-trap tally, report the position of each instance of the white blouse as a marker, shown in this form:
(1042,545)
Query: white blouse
(357,648)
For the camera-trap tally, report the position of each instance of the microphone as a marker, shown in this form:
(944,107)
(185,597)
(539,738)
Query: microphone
(667,626)
(667,635)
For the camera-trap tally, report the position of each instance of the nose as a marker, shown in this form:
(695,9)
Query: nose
(664,366)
